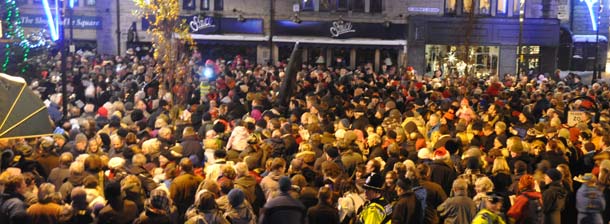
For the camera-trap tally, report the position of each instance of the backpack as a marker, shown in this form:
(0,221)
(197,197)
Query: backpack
(532,211)
(421,195)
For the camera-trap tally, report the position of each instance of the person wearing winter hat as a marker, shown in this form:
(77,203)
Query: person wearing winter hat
(158,209)
(408,209)
(283,208)
(239,210)
(374,210)
(554,197)
(441,171)
(492,211)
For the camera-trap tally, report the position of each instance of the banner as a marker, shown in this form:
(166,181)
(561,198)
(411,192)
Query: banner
(78,22)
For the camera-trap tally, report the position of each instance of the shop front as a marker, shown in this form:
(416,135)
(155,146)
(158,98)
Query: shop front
(483,47)
(220,37)
(341,43)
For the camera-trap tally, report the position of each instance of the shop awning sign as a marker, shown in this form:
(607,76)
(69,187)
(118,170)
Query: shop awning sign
(78,22)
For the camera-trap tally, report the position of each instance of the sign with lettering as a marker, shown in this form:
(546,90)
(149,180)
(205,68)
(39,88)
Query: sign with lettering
(575,117)
(423,9)
(341,27)
(78,22)
(201,23)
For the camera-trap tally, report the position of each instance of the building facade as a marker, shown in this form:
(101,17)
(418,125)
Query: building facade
(457,36)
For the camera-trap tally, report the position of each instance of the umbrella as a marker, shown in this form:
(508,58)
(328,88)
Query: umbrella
(22,113)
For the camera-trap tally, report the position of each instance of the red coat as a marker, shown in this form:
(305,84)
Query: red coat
(515,211)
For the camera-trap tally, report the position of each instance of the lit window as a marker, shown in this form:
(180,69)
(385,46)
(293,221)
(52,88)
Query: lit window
(468,6)
(450,6)
(205,5)
(90,2)
(484,7)
(502,7)
(517,5)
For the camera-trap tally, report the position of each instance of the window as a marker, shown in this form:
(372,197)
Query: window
(376,6)
(90,2)
(357,5)
(188,4)
(342,5)
(468,6)
(484,7)
(205,5)
(502,9)
(307,5)
(325,5)
(517,5)
(450,7)
(218,5)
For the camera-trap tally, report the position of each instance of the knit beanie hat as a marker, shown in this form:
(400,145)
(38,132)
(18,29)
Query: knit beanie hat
(285,184)
(159,200)
(554,174)
(236,197)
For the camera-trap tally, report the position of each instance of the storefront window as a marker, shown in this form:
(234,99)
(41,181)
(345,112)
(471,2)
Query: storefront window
(478,61)
(21,2)
(484,7)
(531,58)
(502,7)
(450,7)
(341,57)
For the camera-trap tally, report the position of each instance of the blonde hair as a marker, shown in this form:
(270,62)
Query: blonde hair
(486,184)
(500,165)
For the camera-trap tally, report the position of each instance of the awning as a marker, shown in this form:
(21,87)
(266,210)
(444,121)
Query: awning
(333,41)
(588,38)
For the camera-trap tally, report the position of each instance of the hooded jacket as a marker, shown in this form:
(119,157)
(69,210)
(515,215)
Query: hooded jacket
(554,198)
(72,182)
(12,209)
(590,204)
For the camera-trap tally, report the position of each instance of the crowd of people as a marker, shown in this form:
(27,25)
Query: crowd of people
(210,144)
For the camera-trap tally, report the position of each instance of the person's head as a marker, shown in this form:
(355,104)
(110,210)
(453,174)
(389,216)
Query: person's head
(138,160)
(80,142)
(285,184)
(220,154)
(390,178)
(278,165)
(483,184)
(403,186)
(13,182)
(500,165)
(77,168)
(226,185)
(47,193)
(373,166)
(460,187)
(241,169)
(552,175)
(236,197)
(373,186)
(494,202)
(186,165)
(526,183)
(165,133)
(65,159)
(116,142)
(207,202)
(325,195)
